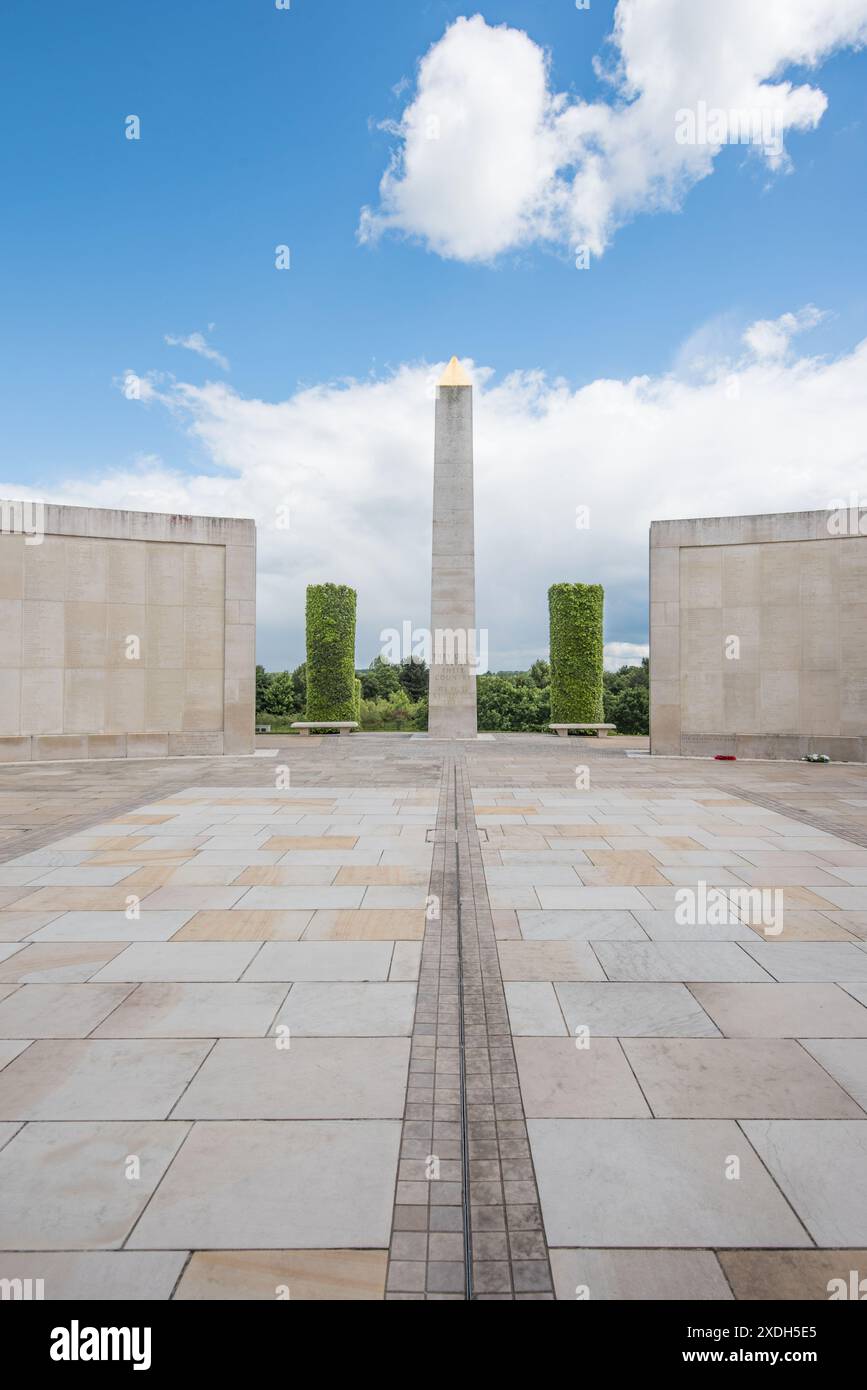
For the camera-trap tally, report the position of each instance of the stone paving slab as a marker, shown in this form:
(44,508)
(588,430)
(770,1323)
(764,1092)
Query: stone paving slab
(659,1046)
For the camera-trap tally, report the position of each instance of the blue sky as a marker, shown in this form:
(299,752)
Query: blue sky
(260,126)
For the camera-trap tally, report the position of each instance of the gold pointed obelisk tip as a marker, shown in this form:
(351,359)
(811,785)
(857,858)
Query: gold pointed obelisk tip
(454,375)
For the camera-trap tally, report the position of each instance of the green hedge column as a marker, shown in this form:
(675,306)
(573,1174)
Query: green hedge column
(357,714)
(576,653)
(330,651)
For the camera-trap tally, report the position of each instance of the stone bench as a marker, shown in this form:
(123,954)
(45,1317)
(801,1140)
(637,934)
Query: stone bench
(564,730)
(343,726)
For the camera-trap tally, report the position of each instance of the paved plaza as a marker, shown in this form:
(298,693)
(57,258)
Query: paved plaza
(418,1019)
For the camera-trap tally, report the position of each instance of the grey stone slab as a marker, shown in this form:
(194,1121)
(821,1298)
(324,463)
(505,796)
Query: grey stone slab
(587,924)
(661,924)
(600,1275)
(559,1079)
(58,1011)
(533,1010)
(612,1009)
(169,1010)
(73,1184)
(677,960)
(811,962)
(98,1080)
(313,1078)
(10,1049)
(846,1061)
(613,898)
(322,960)
(102,1275)
(113,926)
(529,875)
(277,1184)
(656,1182)
(349,1010)
(181,961)
(783,1010)
(737,1078)
(821,1166)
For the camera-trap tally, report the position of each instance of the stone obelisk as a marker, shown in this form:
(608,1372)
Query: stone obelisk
(452,697)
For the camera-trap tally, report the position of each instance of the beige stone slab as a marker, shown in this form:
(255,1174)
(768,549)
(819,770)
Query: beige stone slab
(782,1010)
(807,925)
(547,960)
(386,875)
(99,1079)
(77,899)
(759,1275)
(139,819)
(281,876)
(360,924)
(65,1184)
(238,924)
(16,926)
(143,856)
(300,1275)
(614,876)
(13,896)
(153,876)
(737,1078)
(200,875)
(560,1080)
(50,962)
(58,1011)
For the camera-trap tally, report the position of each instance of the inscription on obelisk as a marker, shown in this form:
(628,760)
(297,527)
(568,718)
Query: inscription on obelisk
(452,696)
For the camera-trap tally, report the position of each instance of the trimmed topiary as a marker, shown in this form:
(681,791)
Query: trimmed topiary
(357,714)
(576,653)
(331,684)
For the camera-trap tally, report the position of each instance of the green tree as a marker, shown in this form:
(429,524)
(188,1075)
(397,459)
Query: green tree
(263,680)
(380,679)
(413,676)
(629,709)
(506,704)
(540,673)
(299,685)
(280,697)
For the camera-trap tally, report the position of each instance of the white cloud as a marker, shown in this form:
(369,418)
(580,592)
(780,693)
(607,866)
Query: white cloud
(353,464)
(617,654)
(198,343)
(490,158)
(773,337)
